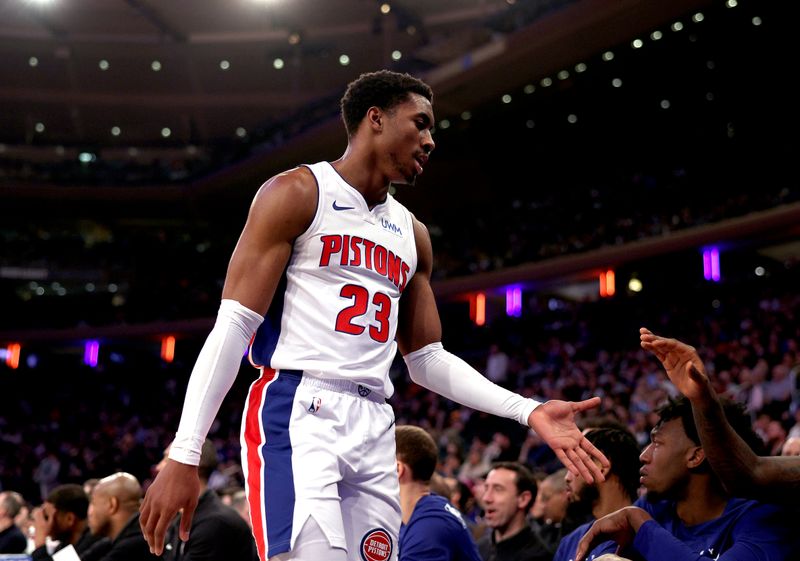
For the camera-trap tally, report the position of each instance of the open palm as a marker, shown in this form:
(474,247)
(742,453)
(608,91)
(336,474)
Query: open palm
(681,361)
(554,422)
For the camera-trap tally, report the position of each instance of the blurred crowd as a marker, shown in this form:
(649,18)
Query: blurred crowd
(138,272)
(69,424)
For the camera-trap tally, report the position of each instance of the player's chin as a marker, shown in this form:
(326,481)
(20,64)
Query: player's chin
(406,180)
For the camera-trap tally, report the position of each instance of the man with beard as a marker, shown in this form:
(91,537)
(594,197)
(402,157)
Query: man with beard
(686,513)
(617,491)
(62,517)
(114,514)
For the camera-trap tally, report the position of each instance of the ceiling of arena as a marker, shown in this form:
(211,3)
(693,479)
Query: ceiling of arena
(128,76)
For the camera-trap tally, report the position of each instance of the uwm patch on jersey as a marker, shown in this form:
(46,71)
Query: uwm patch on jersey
(376,545)
(334,314)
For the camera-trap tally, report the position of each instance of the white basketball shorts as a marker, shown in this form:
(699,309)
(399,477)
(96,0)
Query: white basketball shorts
(323,449)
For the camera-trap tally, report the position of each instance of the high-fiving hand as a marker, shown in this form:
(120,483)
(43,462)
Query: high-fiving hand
(554,421)
(681,361)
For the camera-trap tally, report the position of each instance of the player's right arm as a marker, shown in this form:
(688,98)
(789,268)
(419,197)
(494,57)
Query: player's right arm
(739,468)
(282,209)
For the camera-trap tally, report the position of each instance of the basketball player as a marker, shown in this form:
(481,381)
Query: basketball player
(333,275)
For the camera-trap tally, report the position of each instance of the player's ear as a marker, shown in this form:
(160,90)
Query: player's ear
(375,118)
(696,457)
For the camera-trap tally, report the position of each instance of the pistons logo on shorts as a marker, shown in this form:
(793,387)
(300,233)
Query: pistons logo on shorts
(376,545)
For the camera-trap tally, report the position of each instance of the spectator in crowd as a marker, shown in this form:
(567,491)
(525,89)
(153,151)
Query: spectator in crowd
(550,504)
(686,512)
(791,447)
(241,506)
(24,521)
(462,498)
(62,518)
(217,531)
(89,485)
(509,492)
(46,473)
(114,514)
(617,491)
(432,529)
(550,510)
(475,465)
(497,365)
(742,472)
(12,540)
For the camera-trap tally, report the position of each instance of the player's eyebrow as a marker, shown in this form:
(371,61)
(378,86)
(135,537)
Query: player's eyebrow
(426,119)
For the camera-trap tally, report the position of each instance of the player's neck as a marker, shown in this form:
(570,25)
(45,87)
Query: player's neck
(410,494)
(611,499)
(702,502)
(360,170)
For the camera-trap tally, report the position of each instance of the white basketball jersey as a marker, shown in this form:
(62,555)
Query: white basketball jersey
(334,315)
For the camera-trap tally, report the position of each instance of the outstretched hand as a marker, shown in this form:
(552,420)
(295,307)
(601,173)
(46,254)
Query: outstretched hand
(176,487)
(681,361)
(554,421)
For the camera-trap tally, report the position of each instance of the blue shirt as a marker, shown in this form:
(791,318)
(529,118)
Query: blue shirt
(746,531)
(569,543)
(436,532)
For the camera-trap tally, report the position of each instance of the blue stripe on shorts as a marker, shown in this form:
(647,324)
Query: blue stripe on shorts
(278,486)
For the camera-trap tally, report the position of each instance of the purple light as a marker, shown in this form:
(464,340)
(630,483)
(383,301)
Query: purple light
(90,351)
(715,275)
(711,270)
(514,301)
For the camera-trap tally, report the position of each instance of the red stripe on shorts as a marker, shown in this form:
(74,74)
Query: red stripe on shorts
(255,462)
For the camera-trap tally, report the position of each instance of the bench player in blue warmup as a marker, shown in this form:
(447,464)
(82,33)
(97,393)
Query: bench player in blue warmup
(332,275)
(433,529)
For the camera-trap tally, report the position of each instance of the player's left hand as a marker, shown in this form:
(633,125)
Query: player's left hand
(554,421)
(620,526)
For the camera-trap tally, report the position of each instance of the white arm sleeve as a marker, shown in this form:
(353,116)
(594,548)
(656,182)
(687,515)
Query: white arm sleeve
(213,375)
(444,373)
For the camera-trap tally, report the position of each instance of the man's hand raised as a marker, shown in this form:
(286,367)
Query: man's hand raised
(681,361)
(554,421)
(176,487)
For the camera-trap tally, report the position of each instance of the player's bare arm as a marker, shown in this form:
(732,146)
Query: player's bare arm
(418,336)
(281,210)
(741,471)
(419,324)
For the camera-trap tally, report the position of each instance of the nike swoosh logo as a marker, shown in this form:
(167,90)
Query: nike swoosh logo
(337,207)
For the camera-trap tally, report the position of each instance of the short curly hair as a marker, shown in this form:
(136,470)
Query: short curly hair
(384,89)
(735,413)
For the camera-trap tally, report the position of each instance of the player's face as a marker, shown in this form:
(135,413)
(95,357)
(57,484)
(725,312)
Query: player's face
(406,138)
(99,513)
(575,487)
(501,500)
(664,468)
(580,494)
